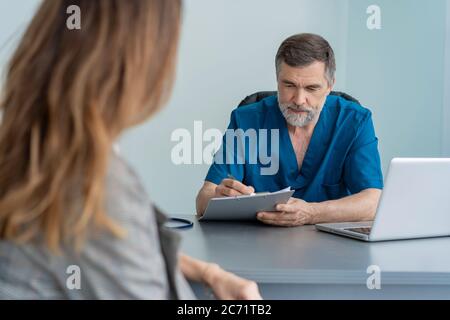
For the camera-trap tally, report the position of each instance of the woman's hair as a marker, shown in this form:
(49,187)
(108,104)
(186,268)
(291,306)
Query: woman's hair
(68,94)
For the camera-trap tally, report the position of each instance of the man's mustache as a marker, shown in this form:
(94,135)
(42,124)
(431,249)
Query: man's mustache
(298,108)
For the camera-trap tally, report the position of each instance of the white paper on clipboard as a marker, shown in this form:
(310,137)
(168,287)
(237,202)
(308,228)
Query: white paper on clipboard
(244,207)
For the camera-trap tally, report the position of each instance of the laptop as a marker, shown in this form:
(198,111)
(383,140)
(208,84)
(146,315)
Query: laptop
(415,203)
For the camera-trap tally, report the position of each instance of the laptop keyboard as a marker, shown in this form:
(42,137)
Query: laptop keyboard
(363,230)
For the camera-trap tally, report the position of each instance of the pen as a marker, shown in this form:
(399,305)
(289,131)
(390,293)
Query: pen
(253,193)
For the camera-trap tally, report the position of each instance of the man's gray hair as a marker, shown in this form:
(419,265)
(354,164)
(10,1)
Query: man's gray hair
(302,49)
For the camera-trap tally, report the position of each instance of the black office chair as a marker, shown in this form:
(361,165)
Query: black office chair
(258,96)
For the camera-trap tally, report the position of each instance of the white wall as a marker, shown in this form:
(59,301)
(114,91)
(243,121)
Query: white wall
(14,17)
(446,102)
(398,71)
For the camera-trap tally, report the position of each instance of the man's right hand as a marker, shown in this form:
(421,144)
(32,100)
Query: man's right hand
(232,188)
(227,188)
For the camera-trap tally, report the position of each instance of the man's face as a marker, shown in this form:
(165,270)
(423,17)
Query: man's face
(302,92)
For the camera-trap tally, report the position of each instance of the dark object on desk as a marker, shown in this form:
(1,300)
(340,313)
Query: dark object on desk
(178,223)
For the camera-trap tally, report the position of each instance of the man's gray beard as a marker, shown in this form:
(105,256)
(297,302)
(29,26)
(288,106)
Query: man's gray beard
(297,120)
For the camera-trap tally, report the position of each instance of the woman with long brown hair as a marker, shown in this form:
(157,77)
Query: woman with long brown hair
(66,199)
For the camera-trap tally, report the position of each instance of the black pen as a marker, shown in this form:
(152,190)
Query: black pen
(253,193)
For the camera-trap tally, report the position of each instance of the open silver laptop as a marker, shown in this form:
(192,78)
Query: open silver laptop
(415,203)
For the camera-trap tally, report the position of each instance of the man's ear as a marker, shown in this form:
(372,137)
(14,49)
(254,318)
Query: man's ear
(331,85)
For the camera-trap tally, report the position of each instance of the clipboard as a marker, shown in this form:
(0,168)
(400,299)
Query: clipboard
(244,207)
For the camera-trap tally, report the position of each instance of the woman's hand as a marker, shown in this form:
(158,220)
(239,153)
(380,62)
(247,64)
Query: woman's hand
(228,286)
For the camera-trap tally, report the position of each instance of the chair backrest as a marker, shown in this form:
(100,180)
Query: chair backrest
(258,96)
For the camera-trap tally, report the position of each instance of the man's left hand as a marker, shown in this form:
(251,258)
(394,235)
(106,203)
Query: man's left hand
(296,212)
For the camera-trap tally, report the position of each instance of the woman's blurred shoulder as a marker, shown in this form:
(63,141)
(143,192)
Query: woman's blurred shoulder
(125,195)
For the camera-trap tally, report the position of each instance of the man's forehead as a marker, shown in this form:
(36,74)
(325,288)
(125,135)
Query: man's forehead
(314,72)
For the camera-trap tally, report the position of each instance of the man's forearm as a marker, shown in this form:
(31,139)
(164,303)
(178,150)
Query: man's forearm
(203,197)
(357,207)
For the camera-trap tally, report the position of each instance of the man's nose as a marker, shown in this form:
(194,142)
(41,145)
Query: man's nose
(300,97)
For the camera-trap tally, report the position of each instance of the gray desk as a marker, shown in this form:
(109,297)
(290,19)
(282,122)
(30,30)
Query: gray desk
(302,263)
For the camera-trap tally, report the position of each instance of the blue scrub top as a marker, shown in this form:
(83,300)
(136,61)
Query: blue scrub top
(342,157)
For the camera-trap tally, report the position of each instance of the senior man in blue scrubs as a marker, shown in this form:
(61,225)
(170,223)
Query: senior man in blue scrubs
(328,151)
